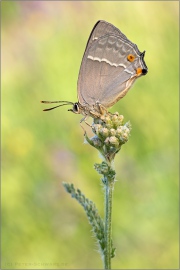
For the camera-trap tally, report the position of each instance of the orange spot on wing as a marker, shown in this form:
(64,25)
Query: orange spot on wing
(130,57)
(139,71)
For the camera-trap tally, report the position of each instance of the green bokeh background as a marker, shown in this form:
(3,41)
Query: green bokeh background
(42,227)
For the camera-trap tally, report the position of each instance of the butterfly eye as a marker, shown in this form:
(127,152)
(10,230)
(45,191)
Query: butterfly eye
(130,57)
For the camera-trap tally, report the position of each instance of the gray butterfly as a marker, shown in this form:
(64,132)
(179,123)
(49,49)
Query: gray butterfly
(110,65)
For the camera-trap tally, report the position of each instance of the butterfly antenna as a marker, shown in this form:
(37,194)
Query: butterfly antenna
(64,103)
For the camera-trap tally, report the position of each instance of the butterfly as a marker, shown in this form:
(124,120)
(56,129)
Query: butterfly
(110,65)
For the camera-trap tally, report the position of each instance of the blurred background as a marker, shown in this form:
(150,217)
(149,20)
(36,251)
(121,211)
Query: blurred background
(42,226)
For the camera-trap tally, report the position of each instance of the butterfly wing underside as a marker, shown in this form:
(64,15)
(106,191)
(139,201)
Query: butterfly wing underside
(105,74)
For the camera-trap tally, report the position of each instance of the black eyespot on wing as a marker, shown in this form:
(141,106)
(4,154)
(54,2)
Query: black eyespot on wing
(144,71)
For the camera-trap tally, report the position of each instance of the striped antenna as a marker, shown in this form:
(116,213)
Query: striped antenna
(64,103)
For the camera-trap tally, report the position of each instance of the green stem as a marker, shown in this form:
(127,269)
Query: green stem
(109,184)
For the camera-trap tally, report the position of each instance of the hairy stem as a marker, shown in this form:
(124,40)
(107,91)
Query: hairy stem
(109,185)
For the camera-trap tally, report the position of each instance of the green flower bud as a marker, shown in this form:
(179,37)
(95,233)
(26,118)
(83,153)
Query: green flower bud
(96,128)
(123,133)
(121,118)
(112,132)
(107,119)
(104,132)
(116,113)
(108,126)
(125,129)
(113,141)
(117,120)
(114,117)
(125,137)
(119,131)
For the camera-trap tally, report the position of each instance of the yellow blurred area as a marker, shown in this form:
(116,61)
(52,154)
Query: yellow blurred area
(20,142)
(42,227)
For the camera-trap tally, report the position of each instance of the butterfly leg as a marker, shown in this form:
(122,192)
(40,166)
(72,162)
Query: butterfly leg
(95,114)
(84,119)
(101,109)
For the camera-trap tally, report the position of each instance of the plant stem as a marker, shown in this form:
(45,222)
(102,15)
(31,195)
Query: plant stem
(109,185)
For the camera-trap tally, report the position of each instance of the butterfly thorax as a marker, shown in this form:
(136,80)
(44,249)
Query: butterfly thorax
(95,111)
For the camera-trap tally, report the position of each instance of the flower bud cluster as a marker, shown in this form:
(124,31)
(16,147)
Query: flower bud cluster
(110,134)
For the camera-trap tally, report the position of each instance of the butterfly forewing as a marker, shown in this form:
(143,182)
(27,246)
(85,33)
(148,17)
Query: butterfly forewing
(103,28)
